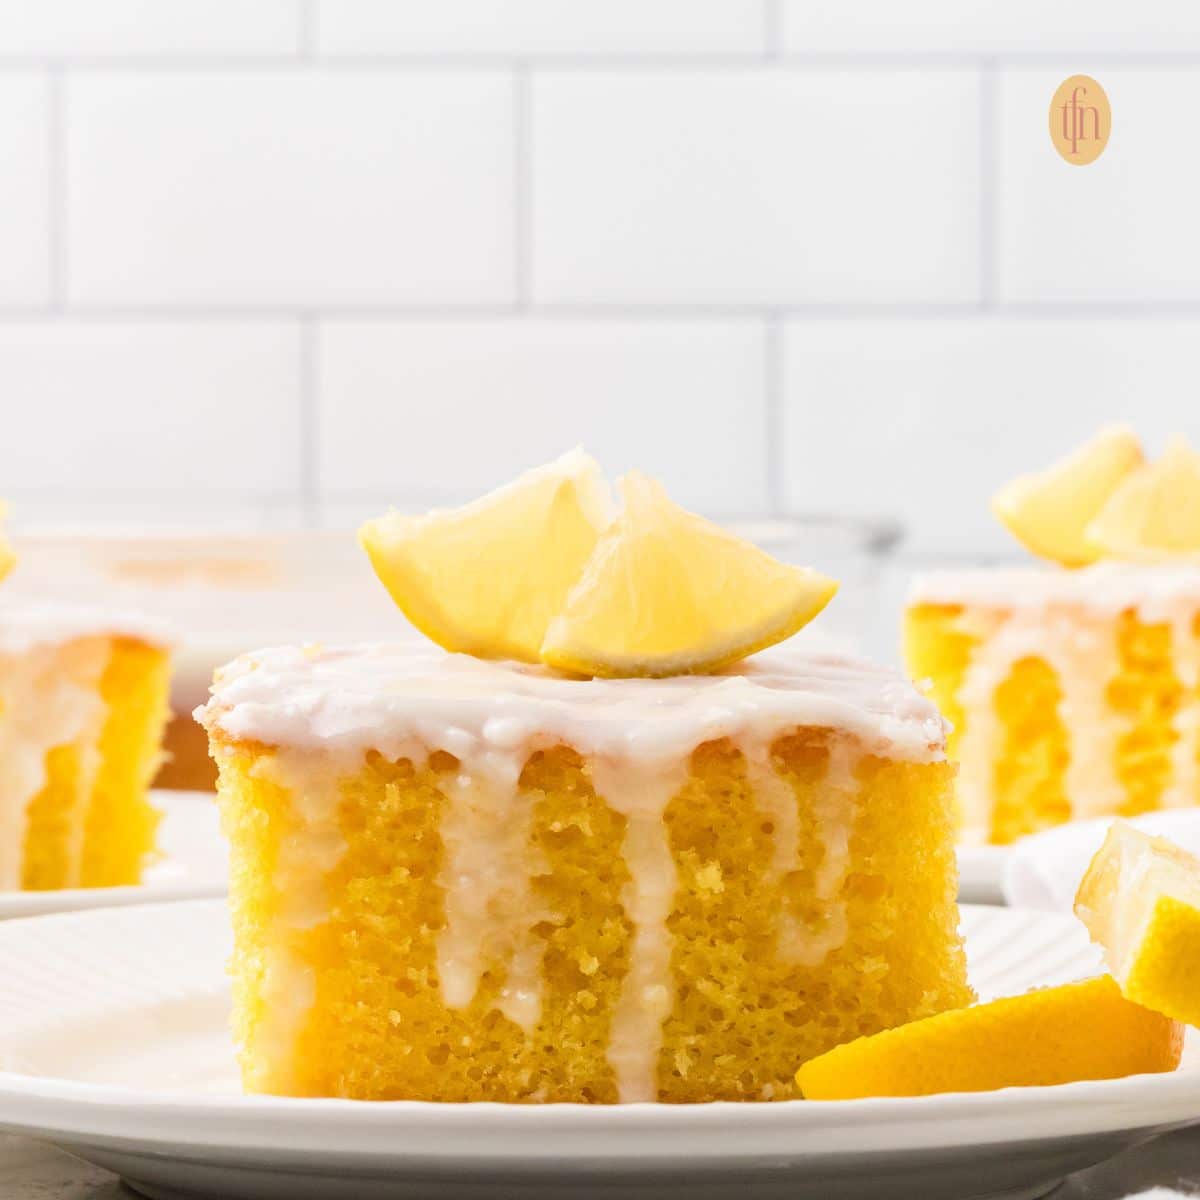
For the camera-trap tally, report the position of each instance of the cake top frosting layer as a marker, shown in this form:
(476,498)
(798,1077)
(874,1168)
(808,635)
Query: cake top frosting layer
(388,696)
(27,622)
(1154,590)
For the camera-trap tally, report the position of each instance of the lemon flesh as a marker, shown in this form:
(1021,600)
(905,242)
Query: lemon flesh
(1156,510)
(1140,900)
(486,579)
(1050,512)
(669,593)
(1054,1035)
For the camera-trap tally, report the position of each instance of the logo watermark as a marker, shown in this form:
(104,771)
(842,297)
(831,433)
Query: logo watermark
(1080,120)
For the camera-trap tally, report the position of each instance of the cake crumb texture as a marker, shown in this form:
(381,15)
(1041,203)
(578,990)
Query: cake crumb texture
(335,969)
(1082,714)
(89,822)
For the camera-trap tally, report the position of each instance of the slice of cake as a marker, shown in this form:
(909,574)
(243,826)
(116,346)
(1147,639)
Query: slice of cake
(1074,693)
(464,880)
(624,868)
(83,702)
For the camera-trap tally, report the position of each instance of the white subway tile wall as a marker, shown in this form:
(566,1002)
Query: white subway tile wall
(161,409)
(25,196)
(1127,227)
(443,410)
(541,27)
(756,186)
(137,28)
(285,261)
(278,187)
(937,413)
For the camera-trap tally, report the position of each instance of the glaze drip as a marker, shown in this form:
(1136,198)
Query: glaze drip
(325,709)
(49,697)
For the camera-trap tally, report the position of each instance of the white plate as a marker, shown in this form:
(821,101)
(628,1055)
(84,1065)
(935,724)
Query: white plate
(112,1036)
(194,864)
(981,873)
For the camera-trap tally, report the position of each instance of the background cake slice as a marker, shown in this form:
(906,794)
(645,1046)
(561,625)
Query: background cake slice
(1074,693)
(83,702)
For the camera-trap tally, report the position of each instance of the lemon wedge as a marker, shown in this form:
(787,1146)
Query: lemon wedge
(1140,900)
(1054,1035)
(486,579)
(1156,510)
(1049,512)
(7,557)
(669,593)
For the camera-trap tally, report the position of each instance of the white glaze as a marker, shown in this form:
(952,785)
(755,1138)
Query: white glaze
(1183,791)
(306,855)
(49,697)
(647,991)
(383,697)
(486,876)
(1069,620)
(1153,591)
(636,737)
(52,657)
(1081,649)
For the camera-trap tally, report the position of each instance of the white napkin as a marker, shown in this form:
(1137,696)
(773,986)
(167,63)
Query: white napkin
(1043,871)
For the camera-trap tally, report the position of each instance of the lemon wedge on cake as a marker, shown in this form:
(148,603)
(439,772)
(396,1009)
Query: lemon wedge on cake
(1050,512)
(1053,1035)
(1140,900)
(1156,510)
(487,579)
(542,570)
(668,593)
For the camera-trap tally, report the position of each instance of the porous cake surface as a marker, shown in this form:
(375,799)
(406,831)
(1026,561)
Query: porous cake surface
(83,699)
(458,880)
(1071,694)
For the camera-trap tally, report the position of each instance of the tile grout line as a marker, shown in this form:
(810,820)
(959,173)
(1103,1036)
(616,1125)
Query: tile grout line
(772,30)
(988,176)
(306,20)
(632,60)
(773,409)
(309,422)
(1051,310)
(57,182)
(523,186)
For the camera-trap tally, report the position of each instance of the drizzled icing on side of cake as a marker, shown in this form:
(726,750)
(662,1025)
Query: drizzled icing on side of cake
(636,737)
(1067,619)
(52,657)
(49,697)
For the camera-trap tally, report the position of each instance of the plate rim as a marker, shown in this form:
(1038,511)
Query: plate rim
(159,1118)
(30,905)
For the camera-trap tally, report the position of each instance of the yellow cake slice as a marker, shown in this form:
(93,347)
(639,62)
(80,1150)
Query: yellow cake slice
(1073,694)
(456,879)
(83,702)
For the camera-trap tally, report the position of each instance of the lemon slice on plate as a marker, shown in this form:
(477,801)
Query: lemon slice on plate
(1050,512)
(668,593)
(1156,510)
(486,579)
(1140,900)
(1054,1035)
